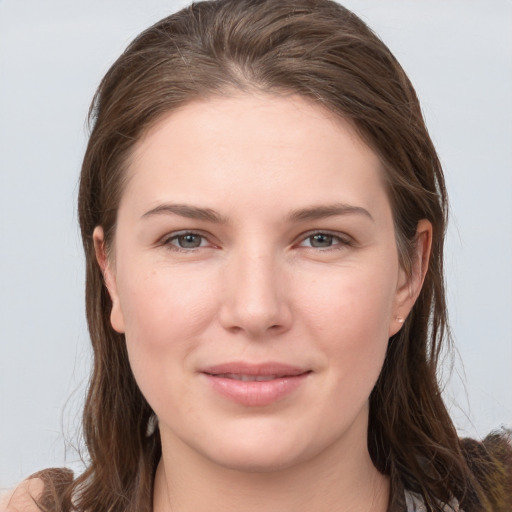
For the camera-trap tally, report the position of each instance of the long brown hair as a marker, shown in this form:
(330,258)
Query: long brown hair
(322,51)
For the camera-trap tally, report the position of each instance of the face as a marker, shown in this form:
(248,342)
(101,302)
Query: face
(256,278)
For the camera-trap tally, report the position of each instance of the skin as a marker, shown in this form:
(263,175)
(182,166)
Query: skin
(321,292)
(21,499)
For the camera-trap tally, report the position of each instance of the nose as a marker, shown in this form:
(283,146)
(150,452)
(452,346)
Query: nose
(255,298)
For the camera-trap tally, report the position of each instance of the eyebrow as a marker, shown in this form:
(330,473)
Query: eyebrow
(323,211)
(188,211)
(300,215)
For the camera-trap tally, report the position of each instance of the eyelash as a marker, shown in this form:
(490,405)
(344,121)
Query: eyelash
(341,241)
(337,241)
(167,241)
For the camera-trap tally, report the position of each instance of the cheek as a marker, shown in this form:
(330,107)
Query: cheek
(159,303)
(165,313)
(348,314)
(352,299)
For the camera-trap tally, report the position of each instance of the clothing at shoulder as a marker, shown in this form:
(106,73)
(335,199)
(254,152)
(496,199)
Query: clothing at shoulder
(414,503)
(404,500)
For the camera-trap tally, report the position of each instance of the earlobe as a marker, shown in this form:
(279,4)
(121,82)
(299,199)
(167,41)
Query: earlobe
(409,286)
(116,315)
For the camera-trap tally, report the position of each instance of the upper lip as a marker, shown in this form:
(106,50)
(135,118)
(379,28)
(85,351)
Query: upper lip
(259,370)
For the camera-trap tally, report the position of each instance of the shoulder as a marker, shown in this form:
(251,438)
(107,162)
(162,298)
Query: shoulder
(490,461)
(414,503)
(49,488)
(22,498)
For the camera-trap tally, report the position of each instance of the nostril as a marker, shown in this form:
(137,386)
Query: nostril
(255,308)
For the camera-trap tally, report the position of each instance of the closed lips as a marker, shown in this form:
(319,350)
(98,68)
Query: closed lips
(255,385)
(253,371)
(252,378)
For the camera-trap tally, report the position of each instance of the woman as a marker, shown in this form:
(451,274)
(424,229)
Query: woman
(263,216)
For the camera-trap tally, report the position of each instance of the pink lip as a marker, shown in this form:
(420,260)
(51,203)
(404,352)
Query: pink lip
(226,379)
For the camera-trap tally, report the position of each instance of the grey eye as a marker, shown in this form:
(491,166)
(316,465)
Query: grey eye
(321,240)
(189,241)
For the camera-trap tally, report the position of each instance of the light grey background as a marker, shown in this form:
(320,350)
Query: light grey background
(458,53)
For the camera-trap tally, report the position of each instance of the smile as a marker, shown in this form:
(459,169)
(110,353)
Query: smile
(248,378)
(255,385)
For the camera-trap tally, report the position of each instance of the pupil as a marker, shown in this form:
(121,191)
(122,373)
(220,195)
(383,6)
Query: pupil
(189,241)
(321,240)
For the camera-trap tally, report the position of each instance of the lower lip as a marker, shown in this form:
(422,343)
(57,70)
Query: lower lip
(256,393)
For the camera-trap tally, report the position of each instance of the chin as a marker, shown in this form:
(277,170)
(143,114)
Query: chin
(266,446)
(252,445)
(268,458)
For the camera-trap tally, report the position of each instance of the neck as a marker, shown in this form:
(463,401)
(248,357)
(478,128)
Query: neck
(343,478)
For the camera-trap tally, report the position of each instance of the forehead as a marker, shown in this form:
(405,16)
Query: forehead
(253,147)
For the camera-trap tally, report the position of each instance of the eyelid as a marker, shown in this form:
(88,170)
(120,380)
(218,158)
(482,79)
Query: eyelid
(343,239)
(166,240)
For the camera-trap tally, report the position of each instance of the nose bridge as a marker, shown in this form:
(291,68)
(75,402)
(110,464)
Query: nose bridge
(255,300)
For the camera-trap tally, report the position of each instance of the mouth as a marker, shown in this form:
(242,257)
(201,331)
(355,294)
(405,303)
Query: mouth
(248,378)
(252,385)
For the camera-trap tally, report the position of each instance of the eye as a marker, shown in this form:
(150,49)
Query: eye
(322,240)
(187,240)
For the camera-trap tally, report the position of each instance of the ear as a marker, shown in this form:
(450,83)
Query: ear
(409,286)
(116,315)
